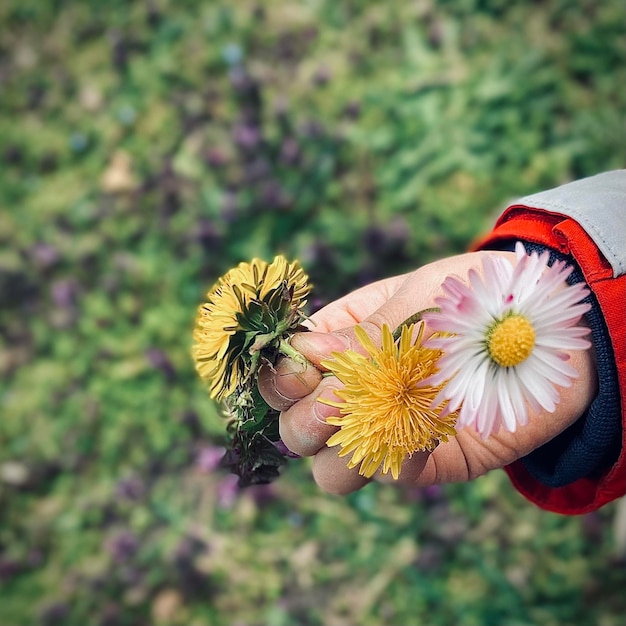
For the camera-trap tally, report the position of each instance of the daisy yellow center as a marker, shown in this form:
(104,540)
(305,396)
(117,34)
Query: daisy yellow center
(511,341)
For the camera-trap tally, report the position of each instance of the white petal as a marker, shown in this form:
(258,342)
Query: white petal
(476,386)
(552,367)
(508,411)
(538,388)
(488,419)
(517,398)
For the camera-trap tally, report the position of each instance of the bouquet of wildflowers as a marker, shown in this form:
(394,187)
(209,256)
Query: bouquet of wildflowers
(245,322)
(498,353)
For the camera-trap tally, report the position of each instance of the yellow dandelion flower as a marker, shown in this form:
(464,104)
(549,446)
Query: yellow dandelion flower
(248,309)
(386,412)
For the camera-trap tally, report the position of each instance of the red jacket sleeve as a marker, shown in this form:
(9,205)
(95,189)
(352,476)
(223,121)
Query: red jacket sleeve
(565,235)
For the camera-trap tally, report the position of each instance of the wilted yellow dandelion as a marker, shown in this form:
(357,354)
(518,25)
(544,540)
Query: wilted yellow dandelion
(247,310)
(386,412)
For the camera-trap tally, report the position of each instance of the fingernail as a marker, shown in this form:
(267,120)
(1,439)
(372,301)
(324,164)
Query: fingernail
(321,410)
(320,344)
(300,378)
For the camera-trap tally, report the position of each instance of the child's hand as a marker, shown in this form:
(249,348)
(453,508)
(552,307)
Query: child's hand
(294,389)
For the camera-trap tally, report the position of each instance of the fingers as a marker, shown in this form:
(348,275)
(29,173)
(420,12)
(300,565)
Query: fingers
(316,347)
(416,292)
(355,306)
(370,306)
(303,430)
(296,389)
(391,313)
(412,472)
(287,382)
(303,427)
(331,473)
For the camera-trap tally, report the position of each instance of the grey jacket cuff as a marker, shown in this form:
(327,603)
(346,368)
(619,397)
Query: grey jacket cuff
(598,204)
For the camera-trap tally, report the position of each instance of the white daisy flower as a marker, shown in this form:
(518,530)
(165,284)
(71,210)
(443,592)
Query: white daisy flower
(505,340)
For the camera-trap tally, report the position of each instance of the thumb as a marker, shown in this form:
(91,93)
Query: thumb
(418,291)
(317,347)
(287,382)
(402,305)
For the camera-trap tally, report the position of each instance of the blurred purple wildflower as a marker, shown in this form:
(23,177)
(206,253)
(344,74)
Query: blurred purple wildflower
(9,568)
(215,157)
(246,136)
(122,546)
(433,492)
(321,76)
(290,151)
(352,110)
(131,489)
(159,360)
(208,458)
(262,494)
(230,206)
(44,255)
(227,491)
(63,293)
(54,614)
(284,450)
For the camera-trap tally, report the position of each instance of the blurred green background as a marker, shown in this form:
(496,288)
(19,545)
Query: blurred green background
(145,148)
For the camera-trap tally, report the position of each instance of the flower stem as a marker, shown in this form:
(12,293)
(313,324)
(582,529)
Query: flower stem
(285,348)
(416,317)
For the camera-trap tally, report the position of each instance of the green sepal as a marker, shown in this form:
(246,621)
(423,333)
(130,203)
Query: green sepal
(252,416)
